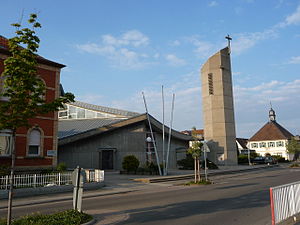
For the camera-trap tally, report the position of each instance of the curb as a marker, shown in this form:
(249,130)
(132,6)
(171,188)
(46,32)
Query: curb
(66,199)
(93,221)
(191,176)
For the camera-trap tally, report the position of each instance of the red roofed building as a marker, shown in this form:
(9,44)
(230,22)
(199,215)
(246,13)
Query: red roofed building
(36,147)
(272,139)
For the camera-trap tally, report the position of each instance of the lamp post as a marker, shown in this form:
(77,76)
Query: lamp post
(149,154)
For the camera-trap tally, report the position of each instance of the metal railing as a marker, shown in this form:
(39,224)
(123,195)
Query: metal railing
(285,202)
(94,175)
(53,179)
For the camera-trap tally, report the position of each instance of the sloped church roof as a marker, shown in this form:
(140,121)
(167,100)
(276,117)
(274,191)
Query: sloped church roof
(271,130)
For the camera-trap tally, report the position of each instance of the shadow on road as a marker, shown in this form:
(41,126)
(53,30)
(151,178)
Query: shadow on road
(237,186)
(190,208)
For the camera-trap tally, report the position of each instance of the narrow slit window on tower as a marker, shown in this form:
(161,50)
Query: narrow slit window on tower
(210,84)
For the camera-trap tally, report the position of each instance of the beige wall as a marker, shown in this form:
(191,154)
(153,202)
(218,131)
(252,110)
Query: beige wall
(218,110)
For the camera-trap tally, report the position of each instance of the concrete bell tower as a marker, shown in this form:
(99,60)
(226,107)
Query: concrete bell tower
(218,110)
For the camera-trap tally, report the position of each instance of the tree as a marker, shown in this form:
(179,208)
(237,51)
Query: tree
(23,89)
(195,151)
(293,147)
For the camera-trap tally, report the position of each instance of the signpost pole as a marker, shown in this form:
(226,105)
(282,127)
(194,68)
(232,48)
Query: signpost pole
(205,166)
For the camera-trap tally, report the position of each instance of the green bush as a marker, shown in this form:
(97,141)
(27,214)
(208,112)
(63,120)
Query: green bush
(69,217)
(210,165)
(243,159)
(187,163)
(294,165)
(61,167)
(130,163)
(2,221)
(279,158)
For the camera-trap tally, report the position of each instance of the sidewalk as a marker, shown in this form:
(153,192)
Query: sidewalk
(116,183)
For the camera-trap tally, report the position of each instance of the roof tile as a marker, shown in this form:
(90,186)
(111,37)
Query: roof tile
(271,131)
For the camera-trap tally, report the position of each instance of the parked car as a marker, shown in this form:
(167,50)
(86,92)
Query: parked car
(259,160)
(264,160)
(270,160)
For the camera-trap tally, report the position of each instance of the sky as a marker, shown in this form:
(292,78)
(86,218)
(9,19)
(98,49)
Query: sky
(116,49)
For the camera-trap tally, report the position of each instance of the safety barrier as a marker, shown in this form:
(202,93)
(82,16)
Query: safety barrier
(285,202)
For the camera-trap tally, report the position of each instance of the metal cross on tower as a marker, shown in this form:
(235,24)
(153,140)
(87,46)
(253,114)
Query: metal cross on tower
(228,39)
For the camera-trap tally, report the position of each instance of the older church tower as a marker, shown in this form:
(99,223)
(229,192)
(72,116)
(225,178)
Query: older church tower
(218,110)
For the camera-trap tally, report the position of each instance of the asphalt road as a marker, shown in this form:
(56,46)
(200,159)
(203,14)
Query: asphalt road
(232,199)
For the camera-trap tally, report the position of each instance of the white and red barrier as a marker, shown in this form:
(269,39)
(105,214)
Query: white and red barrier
(285,201)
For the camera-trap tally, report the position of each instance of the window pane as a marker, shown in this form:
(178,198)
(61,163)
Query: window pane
(34,142)
(279,143)
(72,109)
(33,150)
(90,114)
(80,113)
(271,144)
(262,144)
(62,114)
(5,143)
(35,137)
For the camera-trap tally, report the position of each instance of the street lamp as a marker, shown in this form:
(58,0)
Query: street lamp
(149,156)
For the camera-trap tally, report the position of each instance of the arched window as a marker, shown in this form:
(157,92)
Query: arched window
(34,144)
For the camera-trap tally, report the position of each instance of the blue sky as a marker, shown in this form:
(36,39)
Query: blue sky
(116,49)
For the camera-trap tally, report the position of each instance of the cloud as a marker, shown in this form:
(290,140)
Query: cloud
(175,43)
(294,60)
(173,60)
(275,91)
(213,4)
(91,98)
(252,105)
(245,41)
(132,37)
(203,48)
(123,52)
(187,111)
(294,18)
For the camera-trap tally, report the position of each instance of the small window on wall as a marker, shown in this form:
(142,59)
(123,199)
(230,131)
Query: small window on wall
(254,145)
(271,144)
(262,144)
(34,142)
(210,84)
(279,144)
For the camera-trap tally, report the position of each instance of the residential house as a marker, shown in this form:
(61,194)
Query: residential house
(36,146)
(198,135)
(242,146)
(272,139)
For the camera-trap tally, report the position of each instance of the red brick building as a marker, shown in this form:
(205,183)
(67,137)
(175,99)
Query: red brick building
(35,147)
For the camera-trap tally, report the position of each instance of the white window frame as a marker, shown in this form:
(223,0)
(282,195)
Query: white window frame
(40,146)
